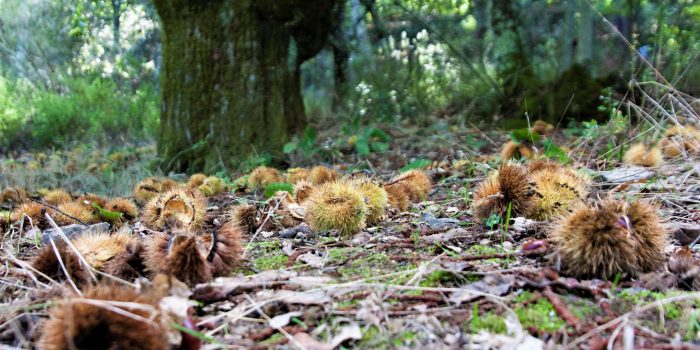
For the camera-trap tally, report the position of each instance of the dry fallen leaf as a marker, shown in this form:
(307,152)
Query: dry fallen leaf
(296,211)
(446,236)
(280,321)
(317,297)
(351,331)
(495,284)
(309,343)
(313,259)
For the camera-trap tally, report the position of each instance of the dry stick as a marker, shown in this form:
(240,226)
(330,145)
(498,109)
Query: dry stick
(58,210)
(561,309)
(18,332)
(27,267)
(680,100)
(70,245)
(119,307)
(657,303)
(252,239)
(418,276)
(286,334)
(63,267)
(629,45)
(321,288)
(656,104)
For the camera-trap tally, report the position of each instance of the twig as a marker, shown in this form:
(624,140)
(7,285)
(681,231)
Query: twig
(616,321)
(561,309)
(63,266)
(75,250)
(58,210)
(291,339)
(252,239)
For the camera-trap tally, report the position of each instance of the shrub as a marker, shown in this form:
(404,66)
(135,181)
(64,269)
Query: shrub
(83,109)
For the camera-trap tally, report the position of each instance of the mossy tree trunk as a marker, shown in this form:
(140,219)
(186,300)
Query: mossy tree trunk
(230,77)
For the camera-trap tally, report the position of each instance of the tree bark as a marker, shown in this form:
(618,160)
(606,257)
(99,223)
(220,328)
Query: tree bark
(340,45)
(569,42)
(585,34)
(116,24)
(230,78)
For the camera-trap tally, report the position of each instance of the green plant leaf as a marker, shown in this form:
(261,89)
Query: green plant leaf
(380,146)
(106,214)
(275,187)
(362,146)
(492,221)
(194,333)
(416,164)
(290,147)
(552,151)
(310,134)
(378,133)
(524,135)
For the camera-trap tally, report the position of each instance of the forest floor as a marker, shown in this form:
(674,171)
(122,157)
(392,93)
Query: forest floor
(430,277)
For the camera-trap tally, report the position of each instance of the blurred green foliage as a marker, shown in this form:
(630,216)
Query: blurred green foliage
(89,69)
(86,110)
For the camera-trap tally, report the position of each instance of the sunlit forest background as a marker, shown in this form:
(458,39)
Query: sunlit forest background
(77,73)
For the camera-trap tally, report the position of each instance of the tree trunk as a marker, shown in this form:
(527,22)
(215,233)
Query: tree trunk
(585,34)
(339,42)
(230,78)
(116,14)
(570,41)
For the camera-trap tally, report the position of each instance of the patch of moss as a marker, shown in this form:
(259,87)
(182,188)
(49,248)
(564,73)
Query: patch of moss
(404,339)
(401,278)
(337,255)
(672,311)
(692,327)
(479,250)
(488,321)
(346,303)
(365,267)
(413,292)
(538,314)
(372,338)
(437,278)
(272,340)
(268,245)
(273,262)
(582,308)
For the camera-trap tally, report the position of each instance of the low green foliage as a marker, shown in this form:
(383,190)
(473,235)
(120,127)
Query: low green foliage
(273,262)
(85,109)
(306,144)
(524,135)
(552,151)
(489,321)
(275,187)
(492,221)
(437,278)
(416,164)
(373,338)
(365,138)
(539,314)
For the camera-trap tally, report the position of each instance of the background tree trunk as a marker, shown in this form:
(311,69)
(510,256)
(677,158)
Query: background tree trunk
(230,79)
(585,34)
